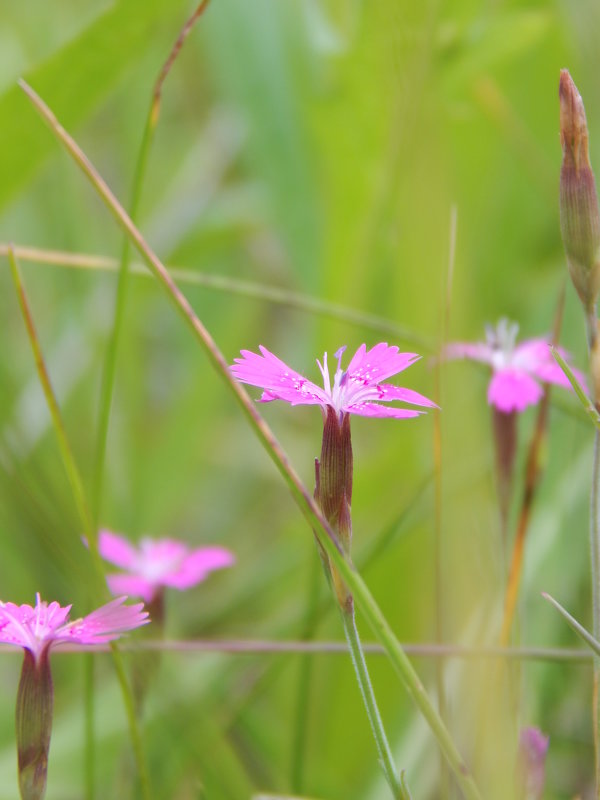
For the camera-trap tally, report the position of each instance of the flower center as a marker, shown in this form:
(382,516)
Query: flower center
(154,562)
(502,340)
(339,380)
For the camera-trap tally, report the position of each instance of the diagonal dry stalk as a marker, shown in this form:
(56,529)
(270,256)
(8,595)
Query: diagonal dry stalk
(303,497)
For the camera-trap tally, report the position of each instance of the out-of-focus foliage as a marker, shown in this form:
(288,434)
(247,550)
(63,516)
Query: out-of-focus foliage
(320,146)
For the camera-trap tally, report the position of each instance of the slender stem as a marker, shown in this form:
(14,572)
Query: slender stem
(220,283)
(64,446)
(301,494)
(89,737)
(533,472)
(595,567)
(291,646)
(438,572)
(106,395)
(594,358)
(110,362)
(364,682)
(82,506)
(309,626)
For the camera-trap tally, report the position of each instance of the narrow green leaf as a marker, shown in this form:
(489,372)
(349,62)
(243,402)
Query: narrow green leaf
(101,54)
(585,401)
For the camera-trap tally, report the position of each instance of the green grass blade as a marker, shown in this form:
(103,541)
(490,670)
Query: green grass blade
(301,494)
(102,53)
(583,634)
(588,405)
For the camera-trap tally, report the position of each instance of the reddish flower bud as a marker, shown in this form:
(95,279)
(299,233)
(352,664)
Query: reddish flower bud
(579,212)
(35,699)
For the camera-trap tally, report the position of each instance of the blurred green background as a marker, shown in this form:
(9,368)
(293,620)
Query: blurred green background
(319,146)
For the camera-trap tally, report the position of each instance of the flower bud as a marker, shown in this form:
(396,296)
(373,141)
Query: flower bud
(579,213)
(34,724)
(333,493)
(335,475)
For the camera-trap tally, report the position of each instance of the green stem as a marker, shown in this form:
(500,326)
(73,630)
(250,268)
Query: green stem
(110,363)
(595,568)
(302,496)
(106,395)
(309,626)
(81,502)
(89,737)
(252,290)
(366,689)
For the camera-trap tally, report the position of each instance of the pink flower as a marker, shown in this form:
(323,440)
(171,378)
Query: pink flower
(39,628)
(517,369)
(357,390)
(533,747)
(158,563)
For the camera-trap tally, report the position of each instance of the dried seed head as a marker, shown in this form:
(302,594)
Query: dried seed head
(579,213)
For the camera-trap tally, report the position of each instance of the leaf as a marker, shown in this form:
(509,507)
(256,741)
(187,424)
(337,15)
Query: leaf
(585,401)
(75,80)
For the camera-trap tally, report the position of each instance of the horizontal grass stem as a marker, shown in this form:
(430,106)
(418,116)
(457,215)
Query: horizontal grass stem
(290,647)
(250,289)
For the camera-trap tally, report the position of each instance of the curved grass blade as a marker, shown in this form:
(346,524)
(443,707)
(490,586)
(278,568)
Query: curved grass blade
(588,405)
(82,507)
(220,283)
(301,494)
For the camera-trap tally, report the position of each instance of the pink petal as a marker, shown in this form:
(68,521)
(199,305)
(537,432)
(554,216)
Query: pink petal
(131,585)
(375,410)
(378,363)
(477,351)
(195,567)
(116,549)
(388,392)
(536,356)
(513,390)
(280,381)
(105,623)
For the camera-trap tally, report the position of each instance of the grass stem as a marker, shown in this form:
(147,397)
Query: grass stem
(301,494)
(82,506)
(362,675)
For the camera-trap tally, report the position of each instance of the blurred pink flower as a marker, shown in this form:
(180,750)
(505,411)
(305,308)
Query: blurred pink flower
(158,563)
(39,628)
(357,390)
(517,369)
(533,748)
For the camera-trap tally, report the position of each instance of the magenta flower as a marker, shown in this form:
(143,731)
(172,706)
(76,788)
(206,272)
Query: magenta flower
(158,563)
(517,369)
(533,748)
(357,390)
(39,628)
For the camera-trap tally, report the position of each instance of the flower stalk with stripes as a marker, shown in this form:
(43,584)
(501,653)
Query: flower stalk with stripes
(37,630)
(358,390)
